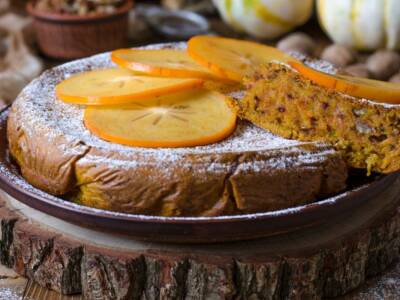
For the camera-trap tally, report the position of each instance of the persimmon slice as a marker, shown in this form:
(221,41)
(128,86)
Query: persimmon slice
(184,119)
(163,62)
(376,90)
(118,86)
(231,58)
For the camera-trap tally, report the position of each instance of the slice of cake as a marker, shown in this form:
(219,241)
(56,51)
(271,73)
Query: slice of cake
(285,102)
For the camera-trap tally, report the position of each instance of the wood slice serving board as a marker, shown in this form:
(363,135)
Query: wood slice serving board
(309,264)
(356,236)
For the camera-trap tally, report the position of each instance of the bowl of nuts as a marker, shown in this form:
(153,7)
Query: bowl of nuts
(70,29)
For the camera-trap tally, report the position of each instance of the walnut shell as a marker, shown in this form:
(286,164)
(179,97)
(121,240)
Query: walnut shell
(297,42)
(338,55)
(383,64)
(358,70)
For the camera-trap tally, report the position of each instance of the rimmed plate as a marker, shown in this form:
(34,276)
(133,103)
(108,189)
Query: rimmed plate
(185,229)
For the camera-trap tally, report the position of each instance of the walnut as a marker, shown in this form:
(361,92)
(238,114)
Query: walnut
(363,128)
(383,64)
(78,7)
(338,55)
(358,70)
(297,42)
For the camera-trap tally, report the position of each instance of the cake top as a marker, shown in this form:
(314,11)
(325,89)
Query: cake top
(41,109)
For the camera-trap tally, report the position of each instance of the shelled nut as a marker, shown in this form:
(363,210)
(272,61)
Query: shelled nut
(383,64)
(339,55)
(297,42)
(358,70)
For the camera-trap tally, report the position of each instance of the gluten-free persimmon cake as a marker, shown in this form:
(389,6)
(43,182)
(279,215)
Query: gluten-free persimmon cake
(130,140)
(359,117)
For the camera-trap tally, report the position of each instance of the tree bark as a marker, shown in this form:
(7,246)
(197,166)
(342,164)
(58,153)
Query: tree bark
(72,266)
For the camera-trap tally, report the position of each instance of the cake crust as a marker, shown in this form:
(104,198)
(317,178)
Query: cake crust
(251,171)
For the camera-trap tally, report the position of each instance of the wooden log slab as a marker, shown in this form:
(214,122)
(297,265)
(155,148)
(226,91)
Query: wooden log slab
(308,264)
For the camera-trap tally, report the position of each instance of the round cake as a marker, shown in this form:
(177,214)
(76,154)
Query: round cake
(251,171)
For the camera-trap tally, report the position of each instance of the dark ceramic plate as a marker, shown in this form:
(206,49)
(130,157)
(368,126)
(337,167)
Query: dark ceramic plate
(191,230)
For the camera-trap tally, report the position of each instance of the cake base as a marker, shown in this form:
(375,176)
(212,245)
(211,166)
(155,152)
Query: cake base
(308,264)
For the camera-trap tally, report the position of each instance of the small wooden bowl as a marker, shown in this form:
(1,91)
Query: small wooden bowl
(64,36)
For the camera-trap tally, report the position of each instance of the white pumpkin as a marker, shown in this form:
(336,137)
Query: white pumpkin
(362,24)
(265,19)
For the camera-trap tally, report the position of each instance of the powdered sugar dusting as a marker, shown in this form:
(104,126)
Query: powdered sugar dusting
(41,117)
(43,112)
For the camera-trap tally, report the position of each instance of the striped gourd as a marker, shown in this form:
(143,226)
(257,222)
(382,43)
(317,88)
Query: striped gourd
(362,24)
(265,19)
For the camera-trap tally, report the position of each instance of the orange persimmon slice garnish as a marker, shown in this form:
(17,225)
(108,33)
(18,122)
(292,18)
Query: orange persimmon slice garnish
(376,90)
(163,62)
(118,86)
(184,119)
(231,58)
